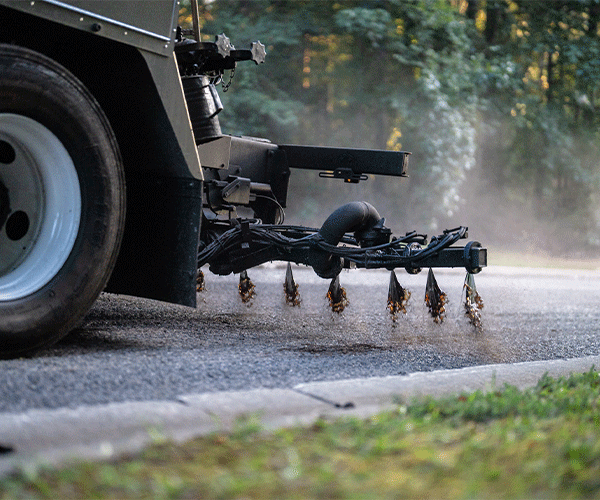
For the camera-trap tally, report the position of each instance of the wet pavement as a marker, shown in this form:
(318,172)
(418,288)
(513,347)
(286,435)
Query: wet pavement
(131,349)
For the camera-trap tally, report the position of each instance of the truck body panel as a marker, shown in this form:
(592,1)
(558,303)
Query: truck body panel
(125,21)
(130,68)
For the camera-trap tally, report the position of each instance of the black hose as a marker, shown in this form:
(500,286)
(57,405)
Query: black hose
(320,248)
(357,216)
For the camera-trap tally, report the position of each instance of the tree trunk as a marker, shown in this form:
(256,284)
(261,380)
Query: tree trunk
(594,13)
(492,22)
(471,12)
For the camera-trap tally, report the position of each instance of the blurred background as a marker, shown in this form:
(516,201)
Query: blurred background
(496,99)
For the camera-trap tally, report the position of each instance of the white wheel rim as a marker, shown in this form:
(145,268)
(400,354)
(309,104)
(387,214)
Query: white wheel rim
(45,202)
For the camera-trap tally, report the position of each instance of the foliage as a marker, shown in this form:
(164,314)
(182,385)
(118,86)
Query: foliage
(537,443)
(506,90)
(553,101)
(550,398)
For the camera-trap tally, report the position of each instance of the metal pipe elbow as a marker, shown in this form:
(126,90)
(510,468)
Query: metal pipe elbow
(357,216)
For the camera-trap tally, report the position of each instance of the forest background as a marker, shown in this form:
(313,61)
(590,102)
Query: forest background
(496,99)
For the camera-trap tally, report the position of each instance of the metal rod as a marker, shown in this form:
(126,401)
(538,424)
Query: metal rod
(195,19)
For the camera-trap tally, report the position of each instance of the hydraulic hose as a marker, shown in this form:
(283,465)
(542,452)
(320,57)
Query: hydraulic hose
(357,217)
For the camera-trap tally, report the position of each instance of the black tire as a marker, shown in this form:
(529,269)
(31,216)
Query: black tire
(56,136)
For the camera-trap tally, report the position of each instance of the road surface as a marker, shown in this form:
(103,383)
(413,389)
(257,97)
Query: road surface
(131,349)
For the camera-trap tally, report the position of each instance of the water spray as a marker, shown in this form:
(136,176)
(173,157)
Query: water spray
(337,296)
(473,302)
(435,298)
(200,283)
(246,288)
(397,297)
(292,296)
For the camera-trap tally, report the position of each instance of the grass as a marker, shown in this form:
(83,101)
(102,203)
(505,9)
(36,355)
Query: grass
(543,442)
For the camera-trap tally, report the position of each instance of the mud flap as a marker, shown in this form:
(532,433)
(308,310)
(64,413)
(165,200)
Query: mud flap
(158,258)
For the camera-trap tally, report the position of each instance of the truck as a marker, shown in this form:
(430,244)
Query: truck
(115,174)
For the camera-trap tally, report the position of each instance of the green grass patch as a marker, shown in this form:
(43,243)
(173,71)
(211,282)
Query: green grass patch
(543,442)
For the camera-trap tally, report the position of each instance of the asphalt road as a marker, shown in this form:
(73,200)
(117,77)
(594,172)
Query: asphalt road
(131,349)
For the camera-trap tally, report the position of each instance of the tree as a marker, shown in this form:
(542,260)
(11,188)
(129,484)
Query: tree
(504,88)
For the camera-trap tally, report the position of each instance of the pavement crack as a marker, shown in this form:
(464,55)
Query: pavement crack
(344,406)
(4,450)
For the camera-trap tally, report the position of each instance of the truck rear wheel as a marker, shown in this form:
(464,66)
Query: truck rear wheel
(62,200)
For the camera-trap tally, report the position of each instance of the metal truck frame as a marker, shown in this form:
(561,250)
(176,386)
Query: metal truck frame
(109,103)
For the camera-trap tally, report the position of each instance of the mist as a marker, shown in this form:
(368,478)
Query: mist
(497,102)
(506,218)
